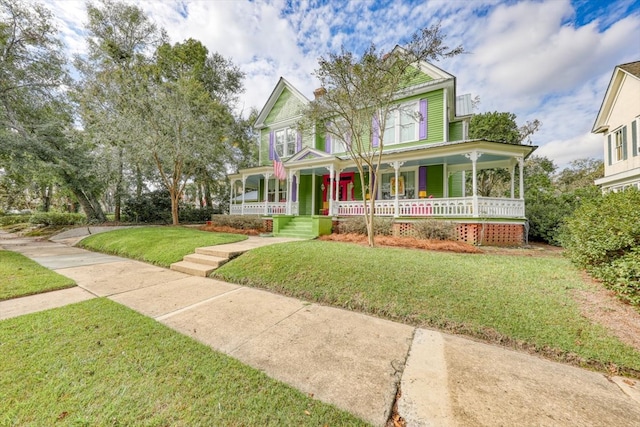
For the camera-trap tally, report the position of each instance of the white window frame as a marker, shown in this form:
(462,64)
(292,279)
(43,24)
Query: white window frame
(618,149)
(285,141)
(397,122)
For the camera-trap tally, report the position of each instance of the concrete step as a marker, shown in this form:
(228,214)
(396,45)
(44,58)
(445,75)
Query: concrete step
(214,261)
(192,268)
(221,253)
(298,235)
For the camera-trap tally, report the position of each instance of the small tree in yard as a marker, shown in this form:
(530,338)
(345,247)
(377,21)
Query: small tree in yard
(359,94)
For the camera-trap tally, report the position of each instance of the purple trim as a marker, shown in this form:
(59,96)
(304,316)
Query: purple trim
(374,135)
(299,141)
(272,137)
(423,119)
(294,189)
(327,143)
(422,178)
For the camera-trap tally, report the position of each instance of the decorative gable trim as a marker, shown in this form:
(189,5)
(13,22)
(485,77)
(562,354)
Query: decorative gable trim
(273,98)
(308,153)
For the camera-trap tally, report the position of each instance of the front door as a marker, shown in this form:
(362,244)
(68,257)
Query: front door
(343,190)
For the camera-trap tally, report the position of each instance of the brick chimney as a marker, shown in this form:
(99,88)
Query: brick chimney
(319,92)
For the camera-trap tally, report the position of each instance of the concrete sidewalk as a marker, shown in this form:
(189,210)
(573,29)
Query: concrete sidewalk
(353,361)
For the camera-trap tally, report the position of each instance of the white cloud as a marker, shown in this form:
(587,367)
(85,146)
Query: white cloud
(527,57)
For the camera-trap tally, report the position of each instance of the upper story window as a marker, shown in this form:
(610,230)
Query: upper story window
(618,144)
(285,142)
(402,124)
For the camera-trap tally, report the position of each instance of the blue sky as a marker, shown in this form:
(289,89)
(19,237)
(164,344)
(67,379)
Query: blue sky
(549,60)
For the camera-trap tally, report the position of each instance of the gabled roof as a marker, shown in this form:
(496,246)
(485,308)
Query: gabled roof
(275,94)
(619,73)
(428,68)
(308,153)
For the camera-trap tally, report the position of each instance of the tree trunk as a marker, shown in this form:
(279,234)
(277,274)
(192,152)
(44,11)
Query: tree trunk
(175,195)
(139,183)
(118,195)
(90,206)
(207,192)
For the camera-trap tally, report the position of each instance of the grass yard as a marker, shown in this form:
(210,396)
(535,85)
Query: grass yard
(99,363)
(521,301)
(157,245)
(20,276)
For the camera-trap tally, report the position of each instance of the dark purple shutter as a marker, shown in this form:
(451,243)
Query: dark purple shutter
(609,145)
(423,119)
(271,148)
(375,131)
(299,141)
(422,178)
(294,189)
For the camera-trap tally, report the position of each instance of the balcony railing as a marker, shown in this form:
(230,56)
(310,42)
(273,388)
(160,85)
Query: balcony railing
(453,207)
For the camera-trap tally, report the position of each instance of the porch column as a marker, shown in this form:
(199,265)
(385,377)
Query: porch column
(474,156)
(313,193)
(512,171)
(289,188)
(233,183)
(331,183)
(521,169)
(297,174)
(445,187)
(244,190)
(396,204)
(266,193)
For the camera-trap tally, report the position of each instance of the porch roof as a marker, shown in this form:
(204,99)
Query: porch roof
(453,153)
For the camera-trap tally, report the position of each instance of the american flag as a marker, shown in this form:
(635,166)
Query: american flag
(278,167)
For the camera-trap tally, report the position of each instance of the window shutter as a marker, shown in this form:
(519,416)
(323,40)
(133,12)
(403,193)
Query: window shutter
(634,138)
(375,131)
(423,119)
(422,180)
(624,143)
(327,143)
(299,142)
(609,148)
(272,136)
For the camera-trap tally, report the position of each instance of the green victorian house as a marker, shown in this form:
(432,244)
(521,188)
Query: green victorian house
(428,170)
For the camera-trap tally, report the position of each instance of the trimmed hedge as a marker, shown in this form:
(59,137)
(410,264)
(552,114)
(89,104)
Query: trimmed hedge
(240,222)
(431,229)
(14,219)
(603,237)
(357,225)
(57,218)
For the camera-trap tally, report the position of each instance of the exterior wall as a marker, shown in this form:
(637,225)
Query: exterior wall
(456,185)
(625,111)
(455,131)
(435,181)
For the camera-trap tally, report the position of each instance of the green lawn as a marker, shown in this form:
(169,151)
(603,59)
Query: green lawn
(20,276)
(98,363)
(517,300)
(157,245)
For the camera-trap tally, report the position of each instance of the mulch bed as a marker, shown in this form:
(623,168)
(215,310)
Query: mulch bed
(405,242)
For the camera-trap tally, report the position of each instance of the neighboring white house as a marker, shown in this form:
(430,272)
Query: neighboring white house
(619,122)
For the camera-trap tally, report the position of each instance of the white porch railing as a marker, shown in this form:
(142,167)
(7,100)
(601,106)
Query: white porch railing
(257,208)
(488,207)
(446,207)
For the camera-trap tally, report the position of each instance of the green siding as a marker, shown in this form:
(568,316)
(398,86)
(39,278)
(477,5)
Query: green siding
(286,107)
(455,131)
(264,147)
(455,184)
(357,187)
(435,181)
(417,79)
(304,206)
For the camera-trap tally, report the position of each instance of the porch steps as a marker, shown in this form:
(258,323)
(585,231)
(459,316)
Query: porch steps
(299,227)
(204,261)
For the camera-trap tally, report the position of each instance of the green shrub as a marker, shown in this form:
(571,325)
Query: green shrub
(603,236)
(14,219)
(357,225)
(241,222)
(623,276)
(152,207)
(434,230)
(57,218)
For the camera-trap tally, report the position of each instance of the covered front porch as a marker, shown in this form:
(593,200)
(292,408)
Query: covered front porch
(412,183)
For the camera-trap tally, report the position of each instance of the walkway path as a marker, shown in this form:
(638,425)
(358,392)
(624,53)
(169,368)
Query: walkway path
(348,359)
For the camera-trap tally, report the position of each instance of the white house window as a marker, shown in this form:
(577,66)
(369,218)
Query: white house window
(285,142)
(618,145)
(402,124)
